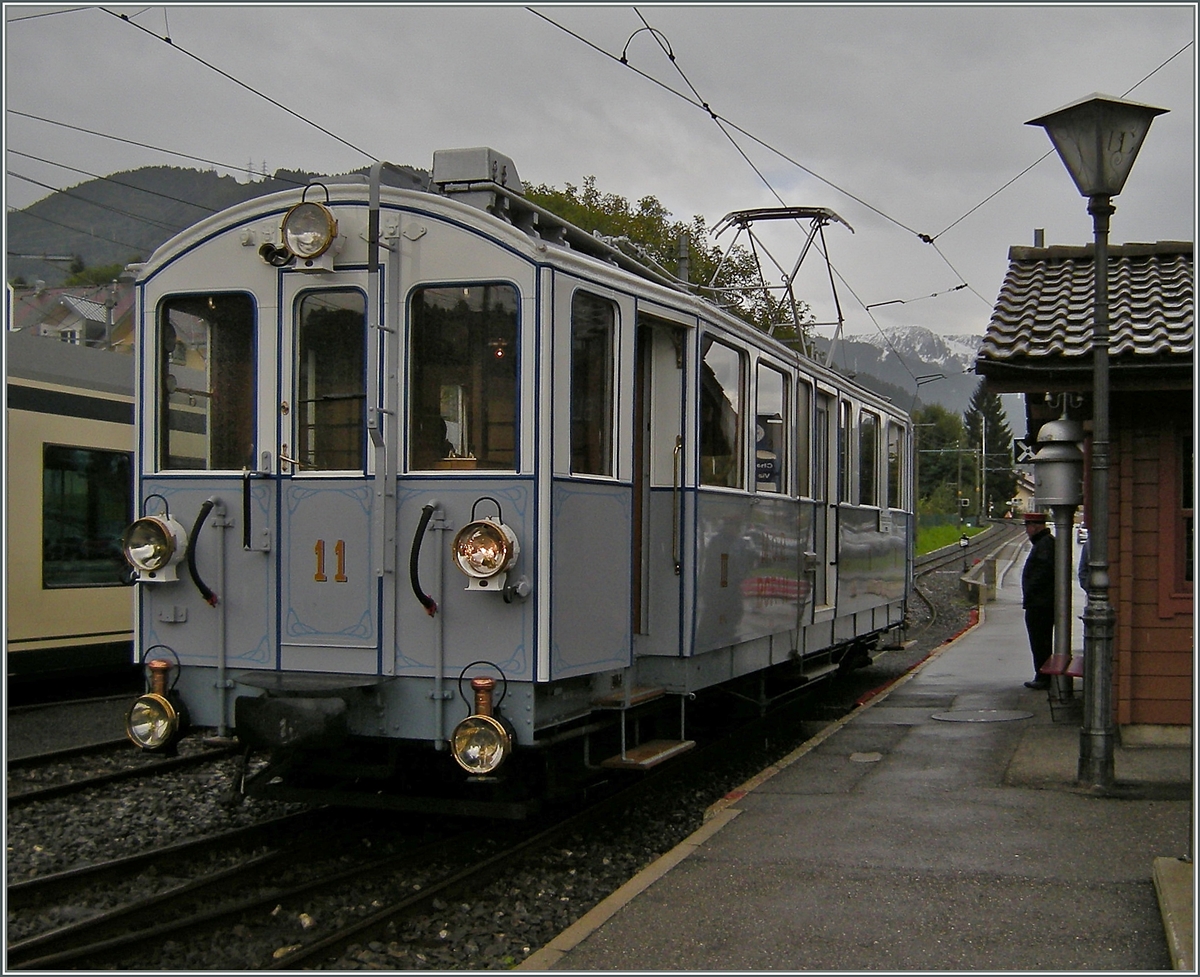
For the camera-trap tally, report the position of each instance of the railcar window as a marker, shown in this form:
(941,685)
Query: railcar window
(821,447)
(463,385)
(868,454)
(206,382)
(771,431)
(721,415)
(803,429)
(845,440)
(593,324)
(87,501)
(895,450)
(330,398)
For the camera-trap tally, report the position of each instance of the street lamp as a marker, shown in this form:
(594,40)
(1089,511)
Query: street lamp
(1098,139)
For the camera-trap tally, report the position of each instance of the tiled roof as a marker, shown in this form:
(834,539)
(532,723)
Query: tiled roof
(85,308)
(1043,315)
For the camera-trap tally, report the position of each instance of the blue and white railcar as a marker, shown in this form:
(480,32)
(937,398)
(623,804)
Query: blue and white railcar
(395,442)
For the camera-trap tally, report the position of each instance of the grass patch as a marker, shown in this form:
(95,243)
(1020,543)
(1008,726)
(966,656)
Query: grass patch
(932,538)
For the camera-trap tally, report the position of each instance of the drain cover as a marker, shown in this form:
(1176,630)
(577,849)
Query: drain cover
(981,716)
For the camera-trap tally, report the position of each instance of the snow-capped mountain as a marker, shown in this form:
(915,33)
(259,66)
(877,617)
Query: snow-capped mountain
(891,361)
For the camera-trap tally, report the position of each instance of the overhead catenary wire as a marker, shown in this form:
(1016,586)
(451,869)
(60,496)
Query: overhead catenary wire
(822,247)
(250,88)
(173,228)
(143,145)
(79,230)
(114,181)
(704,106)
(700,104)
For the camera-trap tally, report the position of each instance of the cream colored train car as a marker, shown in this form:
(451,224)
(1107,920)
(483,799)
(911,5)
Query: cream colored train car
(69,498)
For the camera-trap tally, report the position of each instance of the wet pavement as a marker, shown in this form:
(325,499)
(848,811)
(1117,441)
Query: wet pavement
(938,827)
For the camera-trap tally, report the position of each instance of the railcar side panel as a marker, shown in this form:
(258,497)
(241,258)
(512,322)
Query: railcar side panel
(590,568)
(872,550)
(469,625)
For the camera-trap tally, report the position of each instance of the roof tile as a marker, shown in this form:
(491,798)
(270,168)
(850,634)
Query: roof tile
(1044,310)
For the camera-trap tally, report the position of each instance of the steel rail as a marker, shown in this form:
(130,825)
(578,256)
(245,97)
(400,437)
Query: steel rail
(129,773)
(25,892)
(21,955)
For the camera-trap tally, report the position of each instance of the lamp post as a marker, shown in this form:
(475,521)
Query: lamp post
(1098,139)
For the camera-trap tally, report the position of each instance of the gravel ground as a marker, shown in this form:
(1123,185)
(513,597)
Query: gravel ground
(493,928)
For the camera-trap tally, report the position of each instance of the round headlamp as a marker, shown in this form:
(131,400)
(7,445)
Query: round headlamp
(152,722)
(485,548)
(309,229)
(154,543)
(480,744)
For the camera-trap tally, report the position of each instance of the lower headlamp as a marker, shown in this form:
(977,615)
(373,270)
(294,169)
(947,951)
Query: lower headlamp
(480,744)
(153,723)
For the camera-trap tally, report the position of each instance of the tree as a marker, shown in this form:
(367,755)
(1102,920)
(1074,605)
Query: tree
(945,464)
(985,427)
(648,225)
(100,275)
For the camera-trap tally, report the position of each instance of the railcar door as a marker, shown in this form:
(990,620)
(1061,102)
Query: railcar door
(825,510)
(329,600)
(660,463)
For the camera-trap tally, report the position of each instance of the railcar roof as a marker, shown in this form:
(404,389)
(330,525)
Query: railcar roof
(510,213)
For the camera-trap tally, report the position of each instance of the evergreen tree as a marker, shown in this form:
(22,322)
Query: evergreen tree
(944,463)
(986,429)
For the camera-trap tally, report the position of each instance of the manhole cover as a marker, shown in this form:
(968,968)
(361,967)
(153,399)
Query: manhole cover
(866,757)
(981,715)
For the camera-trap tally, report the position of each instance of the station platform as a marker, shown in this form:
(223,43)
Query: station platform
(938,827)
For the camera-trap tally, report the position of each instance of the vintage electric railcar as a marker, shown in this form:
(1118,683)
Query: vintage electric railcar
(433,485)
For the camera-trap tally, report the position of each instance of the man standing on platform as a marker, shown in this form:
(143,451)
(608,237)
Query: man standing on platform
(1037,595)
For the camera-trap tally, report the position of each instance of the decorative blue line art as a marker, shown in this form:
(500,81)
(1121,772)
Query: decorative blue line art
(302,493)
(364,627)
(259,653)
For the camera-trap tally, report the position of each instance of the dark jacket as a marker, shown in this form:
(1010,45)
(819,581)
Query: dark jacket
(1037,577)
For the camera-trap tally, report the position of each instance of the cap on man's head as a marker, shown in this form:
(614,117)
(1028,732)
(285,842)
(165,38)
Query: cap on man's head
(1035,517)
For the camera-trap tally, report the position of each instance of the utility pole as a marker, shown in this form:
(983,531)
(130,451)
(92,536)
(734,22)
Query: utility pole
(109,304)
(982,466)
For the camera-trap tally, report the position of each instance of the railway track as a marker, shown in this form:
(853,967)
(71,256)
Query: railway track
(139,765)
(955,559)
(176,892)
(412,901)
(265,893)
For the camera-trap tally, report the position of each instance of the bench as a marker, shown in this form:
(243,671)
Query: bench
(1068,667)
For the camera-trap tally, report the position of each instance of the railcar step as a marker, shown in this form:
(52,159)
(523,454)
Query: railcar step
(648,754)
(637,695)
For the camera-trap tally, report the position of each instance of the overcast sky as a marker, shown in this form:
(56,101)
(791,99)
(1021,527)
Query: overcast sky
(916,111)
